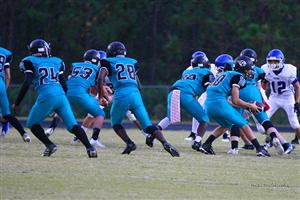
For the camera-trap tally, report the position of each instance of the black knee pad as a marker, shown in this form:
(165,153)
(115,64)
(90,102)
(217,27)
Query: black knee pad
(76,128)
(117,127)
(235,131)
(151,129)
(267,124)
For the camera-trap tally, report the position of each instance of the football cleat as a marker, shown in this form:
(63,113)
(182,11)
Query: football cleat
(226,137)
(150,140)
(97,143)
(295,141)
(191,137)
(75,141)
(207,149)
(49,132)
(172,150)
(276,143)
(289,149)
(26,137)
(234,151)
(196,146)
(248,147)
(5,128)
(129,148)
(92,152)
(263,153)
(50,149)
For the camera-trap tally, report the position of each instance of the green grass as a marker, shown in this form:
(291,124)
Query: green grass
(144,174)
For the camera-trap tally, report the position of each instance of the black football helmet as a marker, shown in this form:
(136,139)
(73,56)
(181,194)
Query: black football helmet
(200,61)
(244,65)
(92,56)
(39,47)
(116,48)
(250,53)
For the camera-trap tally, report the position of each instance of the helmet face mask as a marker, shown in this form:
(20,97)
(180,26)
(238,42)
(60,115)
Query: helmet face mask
(245,66)
(275,59)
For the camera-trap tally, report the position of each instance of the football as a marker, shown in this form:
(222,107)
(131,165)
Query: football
(260,105)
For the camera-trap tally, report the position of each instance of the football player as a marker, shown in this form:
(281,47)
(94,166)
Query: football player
(5,61)
(84,76)
(121,70)
(183,93)
(201,100)
(251,93)
(46,73)
(228,83)
(285,88)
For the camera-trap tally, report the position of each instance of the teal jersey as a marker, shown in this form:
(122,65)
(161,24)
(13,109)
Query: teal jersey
(84,75)
(122,74)
(251,92)
(221,87)
(194,81)
(5,60)
(46,71)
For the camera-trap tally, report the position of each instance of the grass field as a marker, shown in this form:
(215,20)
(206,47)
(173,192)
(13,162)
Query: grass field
(145,174)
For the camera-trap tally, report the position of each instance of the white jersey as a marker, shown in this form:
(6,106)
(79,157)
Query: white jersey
(281,84)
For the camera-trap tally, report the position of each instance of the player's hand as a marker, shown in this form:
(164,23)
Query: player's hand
(255,108)
(297,109)
(103,102)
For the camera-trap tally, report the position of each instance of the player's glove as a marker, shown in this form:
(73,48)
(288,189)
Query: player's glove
(297,108)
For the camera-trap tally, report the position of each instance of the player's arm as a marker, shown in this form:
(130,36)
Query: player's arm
(238,82)
(61,78)
(28,69)
(207,80)
(103,72)
(296,85)
(7,70)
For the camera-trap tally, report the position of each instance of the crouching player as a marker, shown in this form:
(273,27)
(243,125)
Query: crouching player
(183,94)
(122,72)
(46,72)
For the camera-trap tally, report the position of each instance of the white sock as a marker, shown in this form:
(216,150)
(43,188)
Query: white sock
(164,123)
(195,125)
(84,128)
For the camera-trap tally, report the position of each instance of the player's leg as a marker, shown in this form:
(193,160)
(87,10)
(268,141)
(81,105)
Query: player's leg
(234,139)
(54,123)
(173,109)
(194,108)
(5,126)
(91,106)
(4,105)
(117,113)
(63,109)
(292,116)
(137,124)
(206,147)
(38,113)
(141,114)
(250,135)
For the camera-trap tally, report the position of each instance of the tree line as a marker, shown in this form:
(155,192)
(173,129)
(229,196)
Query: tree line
(160,34)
